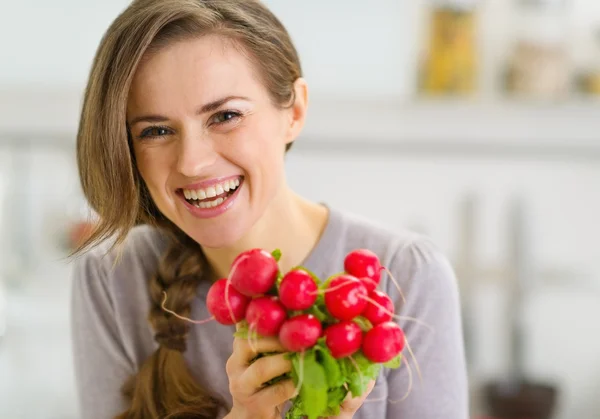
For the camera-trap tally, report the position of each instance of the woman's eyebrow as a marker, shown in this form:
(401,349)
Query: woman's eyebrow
(208,107)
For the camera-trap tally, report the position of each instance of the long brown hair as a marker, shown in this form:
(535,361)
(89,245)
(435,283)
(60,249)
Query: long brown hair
(164,387)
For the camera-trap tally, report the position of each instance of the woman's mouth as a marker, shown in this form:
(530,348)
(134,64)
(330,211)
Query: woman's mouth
(214,195)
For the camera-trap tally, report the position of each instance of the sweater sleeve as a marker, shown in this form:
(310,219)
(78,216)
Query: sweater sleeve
(100,361)
(439,386)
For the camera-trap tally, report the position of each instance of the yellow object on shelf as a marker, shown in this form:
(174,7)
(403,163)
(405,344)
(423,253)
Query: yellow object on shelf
(590,83)
(451,63)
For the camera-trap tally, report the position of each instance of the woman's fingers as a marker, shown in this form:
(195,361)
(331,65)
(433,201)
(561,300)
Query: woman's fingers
(245,351)
(278,393)
(263,370)
(351,405)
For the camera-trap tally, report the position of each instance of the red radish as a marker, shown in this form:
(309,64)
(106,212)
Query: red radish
(298,290)
(218,307)
(343,338)
(383,342)
(254,272)
(380,312)
(345,297)
(365,265)
(265,315)
(300,332)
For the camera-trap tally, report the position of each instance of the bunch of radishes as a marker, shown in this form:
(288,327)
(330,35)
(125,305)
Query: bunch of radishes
(300,310)
(339,332)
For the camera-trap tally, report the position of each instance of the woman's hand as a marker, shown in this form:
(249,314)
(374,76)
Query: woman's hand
(351,405)
(251,400)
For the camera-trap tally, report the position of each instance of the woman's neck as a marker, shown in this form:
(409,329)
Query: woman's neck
(291,224)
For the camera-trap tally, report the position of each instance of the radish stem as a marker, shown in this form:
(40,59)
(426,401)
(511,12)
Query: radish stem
(300,373)
(357,369)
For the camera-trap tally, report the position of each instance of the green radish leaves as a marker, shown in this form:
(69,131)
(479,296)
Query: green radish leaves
(394,363)
(326,381)
(276,254)
(313,390)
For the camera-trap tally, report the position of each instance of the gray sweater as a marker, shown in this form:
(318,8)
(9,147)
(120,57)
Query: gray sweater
(112,337)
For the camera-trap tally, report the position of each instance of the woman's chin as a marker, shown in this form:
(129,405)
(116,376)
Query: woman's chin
(222,238)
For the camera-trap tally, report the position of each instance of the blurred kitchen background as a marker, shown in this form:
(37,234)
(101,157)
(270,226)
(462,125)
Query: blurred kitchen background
(476,122)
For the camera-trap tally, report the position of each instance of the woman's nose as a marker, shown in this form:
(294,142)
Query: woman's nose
(195,153)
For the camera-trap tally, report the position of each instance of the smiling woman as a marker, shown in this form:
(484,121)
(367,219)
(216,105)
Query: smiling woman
(213,113)
(190,108)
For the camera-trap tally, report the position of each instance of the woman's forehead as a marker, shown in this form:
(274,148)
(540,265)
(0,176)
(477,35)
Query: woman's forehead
(199,70)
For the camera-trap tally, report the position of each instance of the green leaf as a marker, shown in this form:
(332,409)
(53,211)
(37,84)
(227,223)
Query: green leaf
(360,371)
(362,322)
(313,391)
(394,363)
(335,397)
(355,384)
(276,254)
(295,411)
(242,331)
(278,282)
(331,366)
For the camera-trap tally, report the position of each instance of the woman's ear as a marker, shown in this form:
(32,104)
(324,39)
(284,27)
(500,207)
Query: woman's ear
(297,114)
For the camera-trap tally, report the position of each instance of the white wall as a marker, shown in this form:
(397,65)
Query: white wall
(348,49)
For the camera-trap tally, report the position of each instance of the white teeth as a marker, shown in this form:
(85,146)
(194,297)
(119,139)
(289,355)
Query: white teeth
(211,192)
(210,204)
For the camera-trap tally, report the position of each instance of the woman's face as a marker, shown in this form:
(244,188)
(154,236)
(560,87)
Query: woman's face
(208,142)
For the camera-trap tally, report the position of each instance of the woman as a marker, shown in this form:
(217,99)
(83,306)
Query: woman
(190,108)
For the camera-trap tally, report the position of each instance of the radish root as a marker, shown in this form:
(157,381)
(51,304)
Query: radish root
(410,385)
(410,379)
(395,282)
(182,317)
(376,304)
(337,287)
(412,354)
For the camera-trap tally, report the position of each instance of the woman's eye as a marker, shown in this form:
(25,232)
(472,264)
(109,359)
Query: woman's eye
(152,132)
(225,117)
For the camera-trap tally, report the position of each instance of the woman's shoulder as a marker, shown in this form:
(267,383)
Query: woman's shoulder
(110,299)
(390,243)
(137,256)
(413,258)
